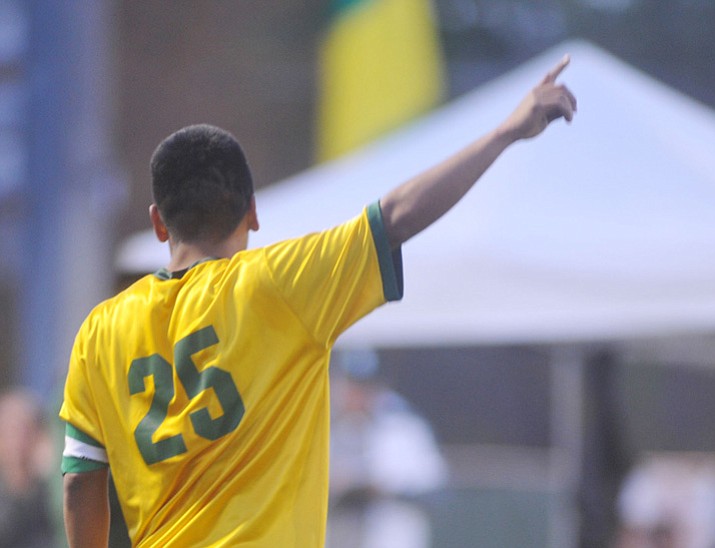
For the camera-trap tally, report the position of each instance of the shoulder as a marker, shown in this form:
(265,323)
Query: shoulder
(359,226)
(107,309)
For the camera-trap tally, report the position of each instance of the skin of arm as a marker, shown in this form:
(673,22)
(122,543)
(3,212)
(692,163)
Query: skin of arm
(86,509)
(416,204)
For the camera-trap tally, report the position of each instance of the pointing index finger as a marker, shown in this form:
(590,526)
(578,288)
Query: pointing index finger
(551,76)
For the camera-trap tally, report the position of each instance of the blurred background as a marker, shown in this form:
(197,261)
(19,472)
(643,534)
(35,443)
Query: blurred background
(601,438)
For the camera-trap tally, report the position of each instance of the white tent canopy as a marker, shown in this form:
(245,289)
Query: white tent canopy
(603,229)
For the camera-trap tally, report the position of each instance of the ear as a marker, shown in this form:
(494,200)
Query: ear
(160,229)
(252,215)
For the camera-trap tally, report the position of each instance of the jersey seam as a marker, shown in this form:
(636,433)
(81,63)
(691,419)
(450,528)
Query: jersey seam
(286,302)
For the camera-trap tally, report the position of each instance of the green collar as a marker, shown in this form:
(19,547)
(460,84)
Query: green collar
(165,274)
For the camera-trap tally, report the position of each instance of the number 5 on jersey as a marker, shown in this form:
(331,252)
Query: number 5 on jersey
(194,382)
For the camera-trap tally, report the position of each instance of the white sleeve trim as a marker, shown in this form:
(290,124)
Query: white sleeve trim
(79,450)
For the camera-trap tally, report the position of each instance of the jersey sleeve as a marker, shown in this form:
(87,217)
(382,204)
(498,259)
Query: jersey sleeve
(333,278)
(84,445)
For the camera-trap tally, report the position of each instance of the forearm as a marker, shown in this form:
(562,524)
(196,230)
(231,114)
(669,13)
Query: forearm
(416,204)
(419,202)
(86,509)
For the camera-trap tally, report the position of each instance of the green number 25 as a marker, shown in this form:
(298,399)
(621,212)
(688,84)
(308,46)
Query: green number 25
(194,382)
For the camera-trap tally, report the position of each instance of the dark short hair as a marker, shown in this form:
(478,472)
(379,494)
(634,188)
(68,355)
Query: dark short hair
(201,183)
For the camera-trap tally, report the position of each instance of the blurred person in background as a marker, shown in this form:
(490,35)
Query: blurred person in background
(668,501)
(26,460)
(384,462)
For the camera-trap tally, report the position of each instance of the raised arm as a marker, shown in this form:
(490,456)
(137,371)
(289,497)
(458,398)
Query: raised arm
(416,204)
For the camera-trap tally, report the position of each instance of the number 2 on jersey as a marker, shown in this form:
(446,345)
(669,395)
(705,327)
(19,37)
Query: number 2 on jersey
(194,382)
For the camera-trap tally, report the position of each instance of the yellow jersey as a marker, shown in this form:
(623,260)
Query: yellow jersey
(206,391)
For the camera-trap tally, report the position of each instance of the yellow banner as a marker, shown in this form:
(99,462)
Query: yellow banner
(381,65)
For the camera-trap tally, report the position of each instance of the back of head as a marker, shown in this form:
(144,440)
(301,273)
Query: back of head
(201,183)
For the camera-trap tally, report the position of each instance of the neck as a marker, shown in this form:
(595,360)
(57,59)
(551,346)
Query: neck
(185,254)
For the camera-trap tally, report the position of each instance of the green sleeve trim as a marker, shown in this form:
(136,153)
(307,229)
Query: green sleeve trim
(72,464)
(75,465)
(390,260)
(78,435)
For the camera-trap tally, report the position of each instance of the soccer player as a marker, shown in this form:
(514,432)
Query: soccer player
(204,387)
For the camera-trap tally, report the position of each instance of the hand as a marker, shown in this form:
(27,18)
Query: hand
(545,103)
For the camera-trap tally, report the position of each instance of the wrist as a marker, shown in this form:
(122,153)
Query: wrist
(506,134)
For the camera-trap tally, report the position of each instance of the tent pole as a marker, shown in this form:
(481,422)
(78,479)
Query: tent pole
(567,370)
